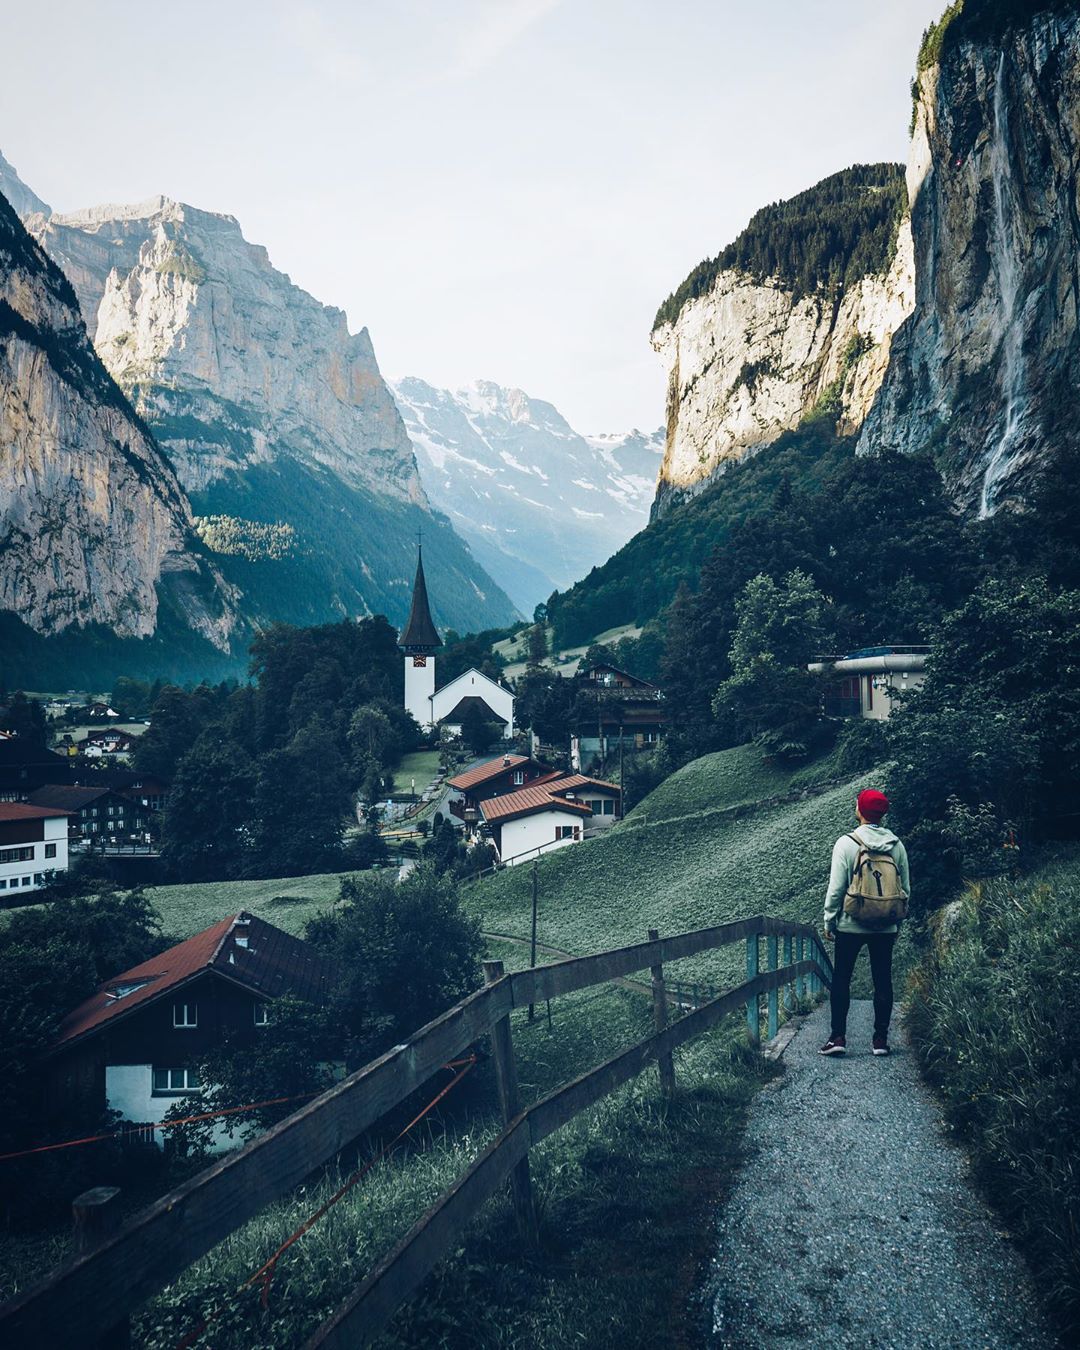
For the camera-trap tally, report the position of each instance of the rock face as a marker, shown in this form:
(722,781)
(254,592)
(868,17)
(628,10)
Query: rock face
(986,371)
(752,358)
(272,413)
(94,526)
(539,504)
(23,201)
(232,363)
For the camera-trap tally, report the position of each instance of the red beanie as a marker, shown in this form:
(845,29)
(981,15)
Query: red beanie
(872,804)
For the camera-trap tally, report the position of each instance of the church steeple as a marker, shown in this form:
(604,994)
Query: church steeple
(419,636)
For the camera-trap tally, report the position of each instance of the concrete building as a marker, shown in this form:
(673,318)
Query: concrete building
(866,682)
(33,843)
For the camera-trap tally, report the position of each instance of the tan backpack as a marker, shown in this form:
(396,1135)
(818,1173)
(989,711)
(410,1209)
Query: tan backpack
(875,897)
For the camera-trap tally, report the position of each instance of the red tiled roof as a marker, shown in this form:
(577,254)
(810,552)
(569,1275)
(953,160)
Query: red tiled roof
(573,781)
(528,800)
(274,963)
(24,811)
(489,769)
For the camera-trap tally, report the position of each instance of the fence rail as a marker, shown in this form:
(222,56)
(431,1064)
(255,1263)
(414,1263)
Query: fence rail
(89,1296)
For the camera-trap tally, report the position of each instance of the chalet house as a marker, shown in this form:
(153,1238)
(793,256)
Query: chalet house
(33,843)
(617,713)
(864,682)
(134,1044)
(551,813)
(493,778)
(108,742)
(96,811)
(150,792)
(25,766)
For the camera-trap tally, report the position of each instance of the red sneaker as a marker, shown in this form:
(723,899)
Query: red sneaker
(881,1045)
(835,1045)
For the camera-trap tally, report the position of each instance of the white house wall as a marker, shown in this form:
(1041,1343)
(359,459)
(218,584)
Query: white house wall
(525,838)
(12,873)
(129,1090)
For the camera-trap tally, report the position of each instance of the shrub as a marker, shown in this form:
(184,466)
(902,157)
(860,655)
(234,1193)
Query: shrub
(993,1014)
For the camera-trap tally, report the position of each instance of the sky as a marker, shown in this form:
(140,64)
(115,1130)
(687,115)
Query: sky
(497,189)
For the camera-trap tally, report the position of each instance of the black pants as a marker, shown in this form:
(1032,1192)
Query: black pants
(848,945)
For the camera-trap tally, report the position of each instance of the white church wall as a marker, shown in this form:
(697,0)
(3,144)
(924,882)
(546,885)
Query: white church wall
(469,685)
(419,687)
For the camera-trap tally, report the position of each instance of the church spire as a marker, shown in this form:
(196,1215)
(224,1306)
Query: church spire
(419,634)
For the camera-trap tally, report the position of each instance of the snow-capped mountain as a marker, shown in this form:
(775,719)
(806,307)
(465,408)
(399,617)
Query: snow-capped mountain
(539,503)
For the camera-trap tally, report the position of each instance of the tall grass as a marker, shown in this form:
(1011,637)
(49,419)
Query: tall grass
(994,1013)
(621,1190)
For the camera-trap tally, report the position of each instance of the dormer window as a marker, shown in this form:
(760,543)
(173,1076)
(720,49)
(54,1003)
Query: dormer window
(241,940)
(119,991)
(519,776)
(185,1014)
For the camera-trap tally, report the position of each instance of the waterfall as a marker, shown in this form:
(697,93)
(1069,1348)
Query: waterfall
(1013,372)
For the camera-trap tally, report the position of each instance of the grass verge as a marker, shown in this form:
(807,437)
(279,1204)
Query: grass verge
(994,1008)
(624,1189)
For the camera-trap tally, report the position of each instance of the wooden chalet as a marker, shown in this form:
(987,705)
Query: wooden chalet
(134,1044)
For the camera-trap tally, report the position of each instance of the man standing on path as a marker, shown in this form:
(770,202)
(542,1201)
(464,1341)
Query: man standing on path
(849,934)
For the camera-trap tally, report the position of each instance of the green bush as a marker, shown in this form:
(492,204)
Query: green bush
(994,1010)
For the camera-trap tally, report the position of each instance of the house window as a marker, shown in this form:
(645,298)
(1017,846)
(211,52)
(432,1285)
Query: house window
(169,1082)
(50,850)
(262,1015)
(93,812)
(3,884)
(519,776)
(26,881)
(16,854)
(564,831)
(609,806)
(39,878)
(185,1014)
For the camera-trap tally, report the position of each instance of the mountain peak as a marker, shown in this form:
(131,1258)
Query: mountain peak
(24,200)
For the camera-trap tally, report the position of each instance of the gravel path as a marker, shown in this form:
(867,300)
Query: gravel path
(820,1247)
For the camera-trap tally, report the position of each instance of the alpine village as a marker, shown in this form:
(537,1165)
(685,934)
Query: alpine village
(419,820)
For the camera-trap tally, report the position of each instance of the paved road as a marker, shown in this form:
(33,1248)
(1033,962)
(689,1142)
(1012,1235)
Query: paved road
(886,1246)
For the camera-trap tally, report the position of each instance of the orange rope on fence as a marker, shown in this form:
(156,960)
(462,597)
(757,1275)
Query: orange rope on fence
(266,1271)
(158,1125)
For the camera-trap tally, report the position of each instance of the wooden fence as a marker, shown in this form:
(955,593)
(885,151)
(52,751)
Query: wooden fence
(90,1296)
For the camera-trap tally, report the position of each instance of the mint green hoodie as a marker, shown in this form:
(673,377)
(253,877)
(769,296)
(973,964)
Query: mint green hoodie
(844,856)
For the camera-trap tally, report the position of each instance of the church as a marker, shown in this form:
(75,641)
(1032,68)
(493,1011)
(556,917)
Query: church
(448,706)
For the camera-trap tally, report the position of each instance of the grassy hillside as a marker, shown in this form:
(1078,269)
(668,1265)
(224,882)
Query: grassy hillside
(636,583)
(287,902)
(680,862)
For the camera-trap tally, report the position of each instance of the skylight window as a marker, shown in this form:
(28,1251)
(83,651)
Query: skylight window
(119,991)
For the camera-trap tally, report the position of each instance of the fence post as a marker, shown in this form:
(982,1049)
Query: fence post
(532,944)
(664,1061)
(502,1048)
(96,1216)
(800,980)
(774,1011)
(789,988)
(753,1016)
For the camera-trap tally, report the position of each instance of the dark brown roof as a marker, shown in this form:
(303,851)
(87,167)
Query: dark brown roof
(24,811)
(272,964)
(65,798)
(460,709)
(420,630)
(528,800)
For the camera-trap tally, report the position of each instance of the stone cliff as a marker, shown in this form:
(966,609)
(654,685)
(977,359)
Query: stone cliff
(274,416)
(230,361)
(751,349)
(985,373)
(94,526)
